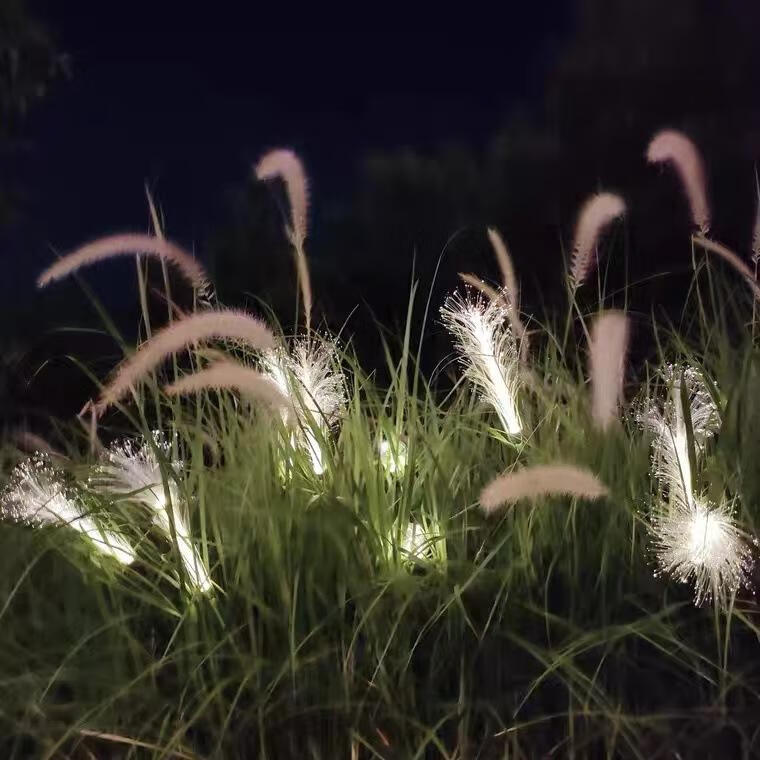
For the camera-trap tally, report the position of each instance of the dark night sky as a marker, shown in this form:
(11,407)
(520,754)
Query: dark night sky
(187,99)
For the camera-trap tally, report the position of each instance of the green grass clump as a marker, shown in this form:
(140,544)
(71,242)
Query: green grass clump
(537,631)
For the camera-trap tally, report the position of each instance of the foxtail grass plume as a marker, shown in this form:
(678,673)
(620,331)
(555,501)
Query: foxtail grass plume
(488,352)
(35,496)
(33,443)
(230,375)
(531,483)
(703,545)
(504,260)
(596,214)
(673,147)
(607,356)
(728,255)
(511,288)
(285,165)
(134,473)
(121,245)
(474,281)
(310,376)
(206,325)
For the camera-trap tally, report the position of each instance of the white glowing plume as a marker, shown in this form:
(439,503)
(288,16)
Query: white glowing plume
(134,473)
(692,540)
(417,542)
(309,375)
(702,544)
(413,541)
(392,456)
(670,447)
(488,351)
(35,496)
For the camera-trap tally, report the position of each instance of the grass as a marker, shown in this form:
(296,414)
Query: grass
(539,631)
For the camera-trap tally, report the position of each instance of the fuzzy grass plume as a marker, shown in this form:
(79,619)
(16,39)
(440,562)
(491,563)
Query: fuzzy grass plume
(491,293)
(121,245)
(487,350)
(596,214)
(133,472)
(531,483)
(511,289)
(36,496)
(607,355)
(231,375)
(729,256)
(673,147)
(206,325)
(33,443)
(509,294)
(504,260)
(285,165)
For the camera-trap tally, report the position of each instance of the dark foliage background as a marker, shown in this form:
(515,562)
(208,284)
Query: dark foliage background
(417,132)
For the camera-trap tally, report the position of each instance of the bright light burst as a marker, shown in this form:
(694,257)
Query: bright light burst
(415,540)
(692,540)
(702,544)
(488,351)
(419,541)
(392,456)
(134,472)
(411,542)
(36,496)
(309,375)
